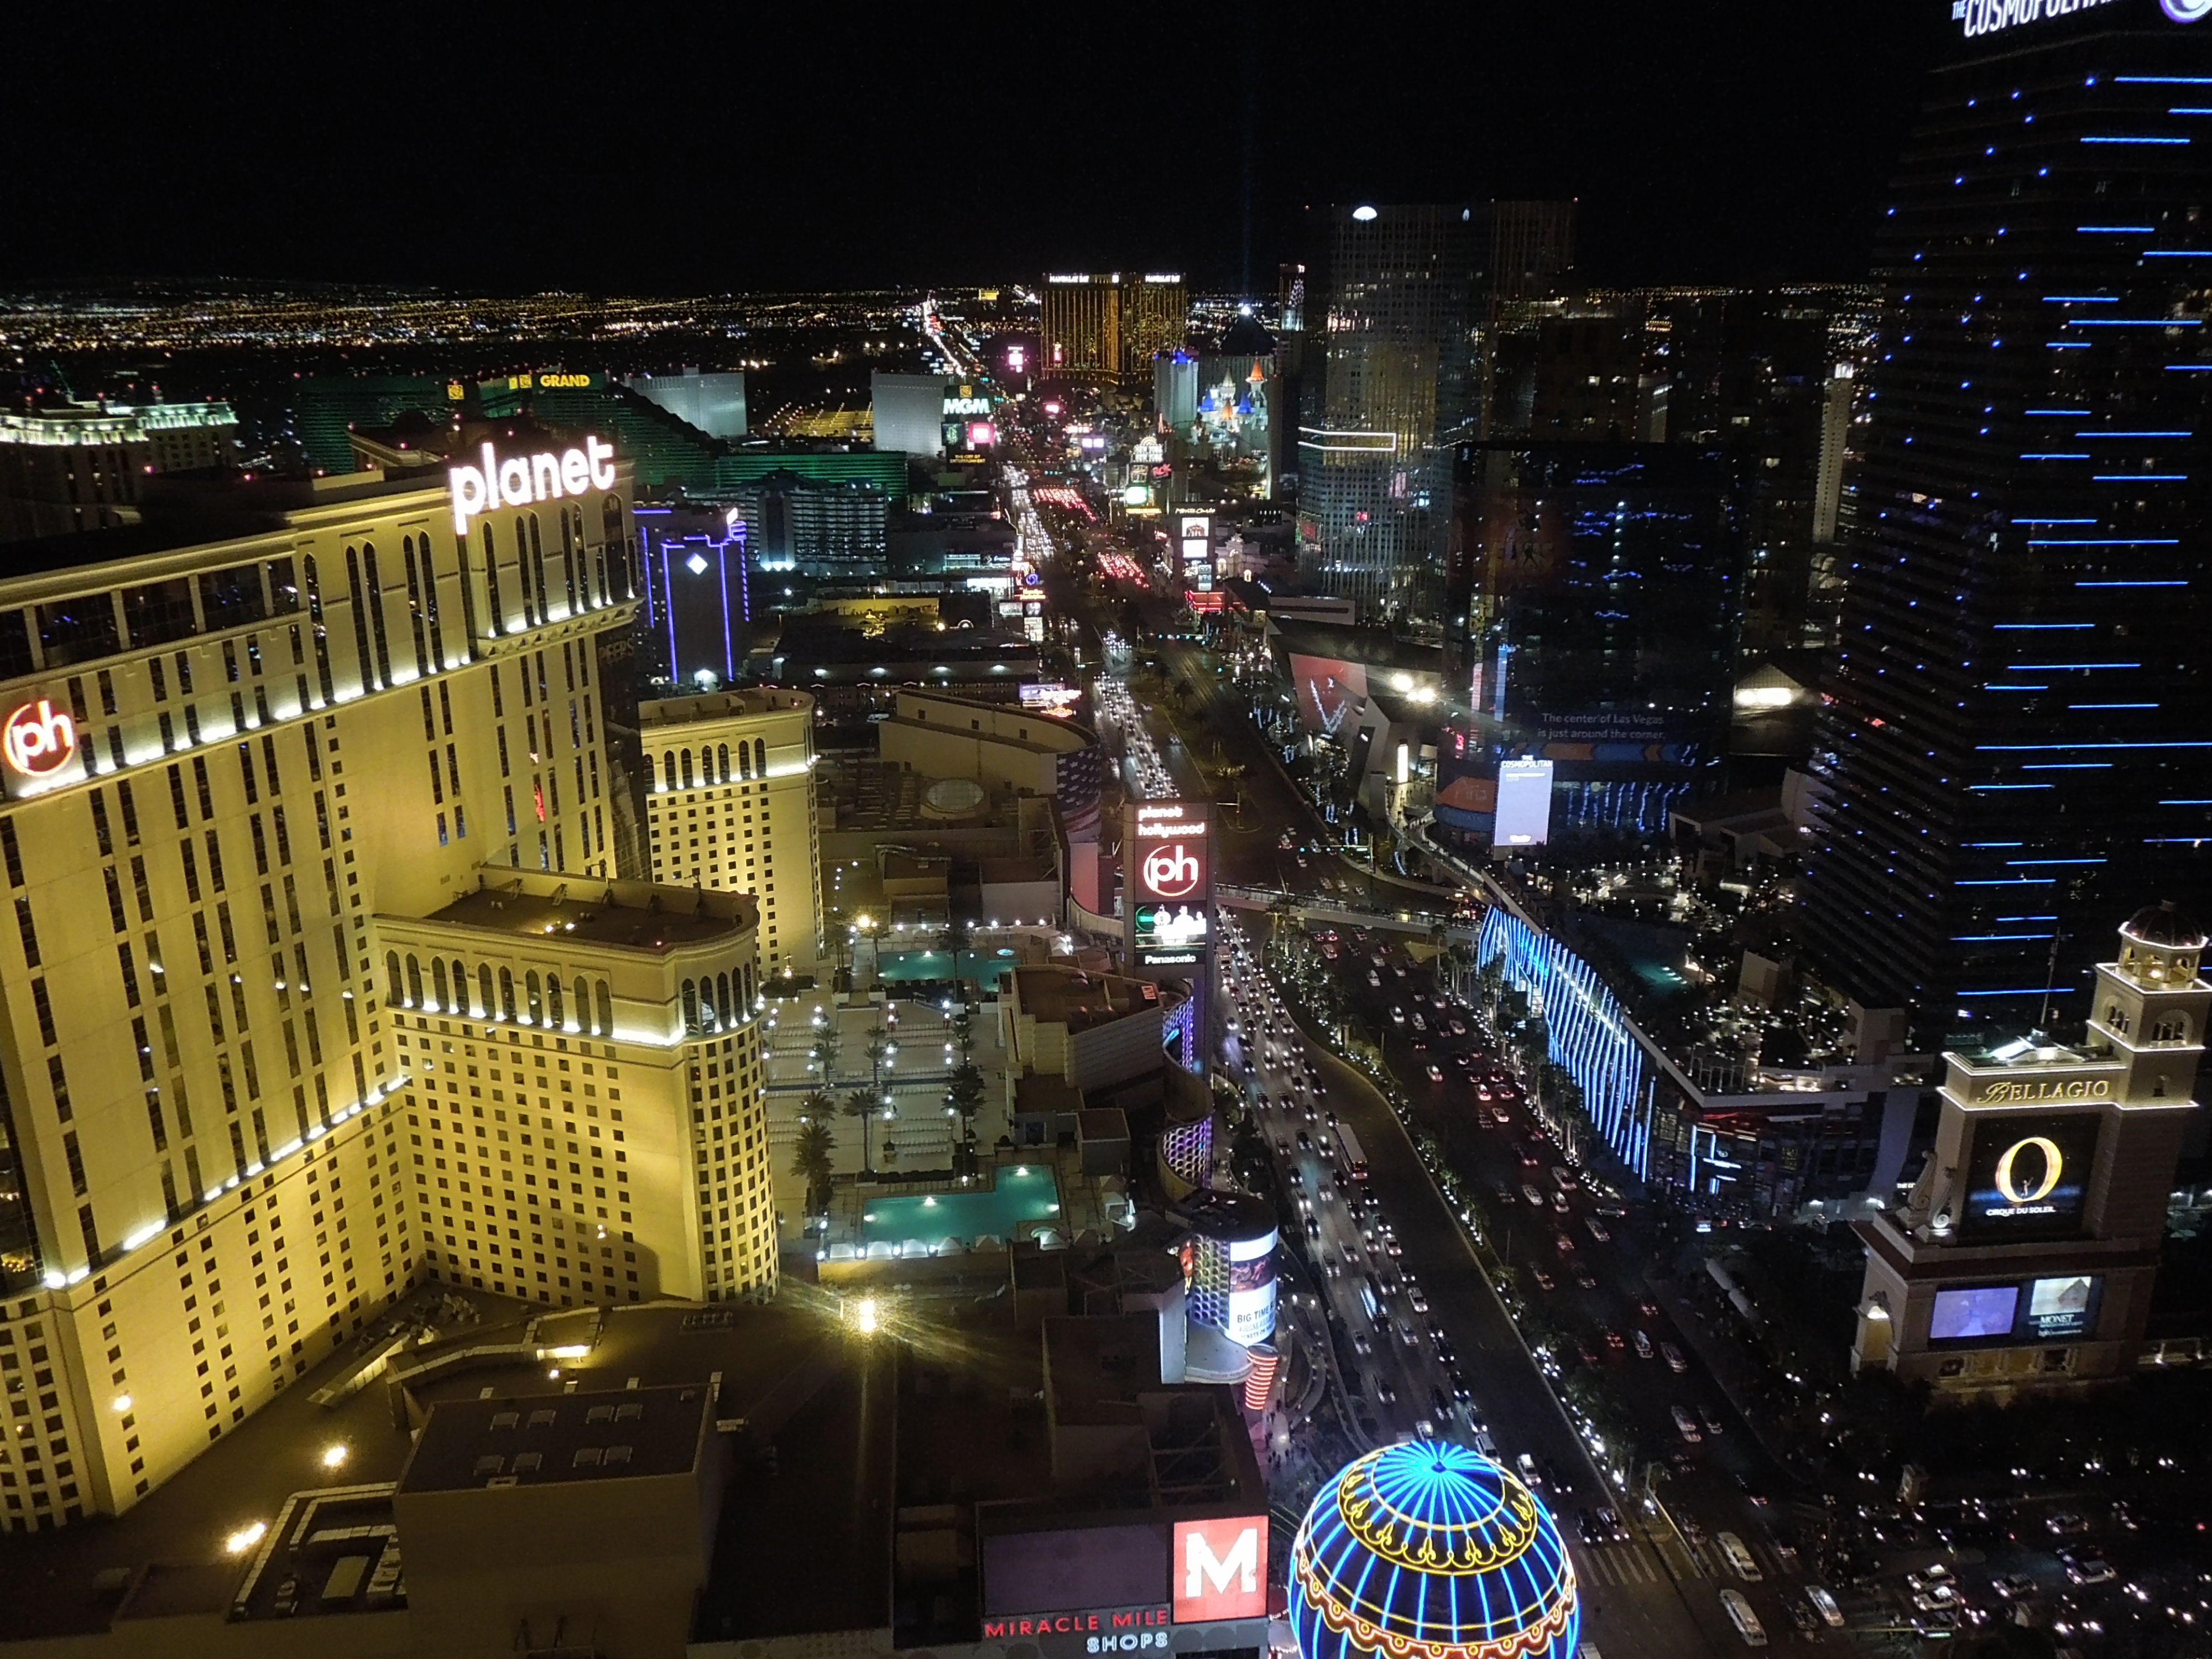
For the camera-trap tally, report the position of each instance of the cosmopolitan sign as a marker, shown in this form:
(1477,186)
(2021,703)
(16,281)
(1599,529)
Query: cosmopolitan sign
(1982,17)
(526,480)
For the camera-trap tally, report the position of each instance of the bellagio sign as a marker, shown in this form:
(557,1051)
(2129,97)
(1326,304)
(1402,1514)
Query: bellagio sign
(526,480)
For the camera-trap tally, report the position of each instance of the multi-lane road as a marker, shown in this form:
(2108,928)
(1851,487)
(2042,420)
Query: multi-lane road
(1438,1328)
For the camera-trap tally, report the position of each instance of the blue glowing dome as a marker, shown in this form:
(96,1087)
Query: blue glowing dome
(1426,1550)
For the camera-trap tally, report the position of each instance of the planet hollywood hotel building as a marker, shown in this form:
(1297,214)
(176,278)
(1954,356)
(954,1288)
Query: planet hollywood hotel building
(321,976)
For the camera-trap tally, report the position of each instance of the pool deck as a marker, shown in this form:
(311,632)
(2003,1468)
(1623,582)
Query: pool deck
(1083,1209)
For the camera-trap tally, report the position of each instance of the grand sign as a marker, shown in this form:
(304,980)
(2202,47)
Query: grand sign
(38,740)
(526,480)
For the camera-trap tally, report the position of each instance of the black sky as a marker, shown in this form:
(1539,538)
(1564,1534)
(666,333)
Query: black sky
(648,149)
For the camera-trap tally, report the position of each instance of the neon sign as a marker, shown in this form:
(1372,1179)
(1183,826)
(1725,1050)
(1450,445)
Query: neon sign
(1982,17)
(1220,1566)
(2008,1181)
(524,480)
(39,739)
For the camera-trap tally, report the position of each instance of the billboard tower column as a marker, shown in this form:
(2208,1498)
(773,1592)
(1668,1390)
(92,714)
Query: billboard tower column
(1168,915)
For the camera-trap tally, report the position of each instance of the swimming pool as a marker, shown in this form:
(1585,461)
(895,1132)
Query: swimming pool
(989,968)
(1019,1192)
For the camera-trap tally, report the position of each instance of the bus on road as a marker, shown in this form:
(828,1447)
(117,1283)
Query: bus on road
(1355,1155)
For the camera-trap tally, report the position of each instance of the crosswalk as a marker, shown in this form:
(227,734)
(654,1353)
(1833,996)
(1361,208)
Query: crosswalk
(1645,1564)
(1616,1564)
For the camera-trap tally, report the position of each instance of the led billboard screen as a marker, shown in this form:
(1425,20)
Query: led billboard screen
(1169,860)
(2028,1176)
(1524,803)
(2041,1310)
(1251,1289)
(1330,690)
(1983,1311)
(2065,1306)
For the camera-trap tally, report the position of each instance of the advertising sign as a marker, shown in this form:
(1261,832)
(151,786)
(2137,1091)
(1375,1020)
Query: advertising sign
(2066,1306)
(1251,1289)
(1524,803)
(1330,689)
(526,480)
(2029,1176)
(1220,1569)
(1168,856)
(38,740)
(2041,1310)
(1980,1313)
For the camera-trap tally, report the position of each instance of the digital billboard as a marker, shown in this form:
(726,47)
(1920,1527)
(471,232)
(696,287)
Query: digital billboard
(2028,1175)
(2040,1310)
(1524,803)
(1168,857)
(2065,1306)
(1983,1311)
(1251,1289)
(1330,690)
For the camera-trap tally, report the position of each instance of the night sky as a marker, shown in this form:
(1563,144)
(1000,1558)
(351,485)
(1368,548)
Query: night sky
(667,149)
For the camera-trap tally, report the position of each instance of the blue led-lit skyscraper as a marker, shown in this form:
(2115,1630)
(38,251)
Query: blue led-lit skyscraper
(2019,740)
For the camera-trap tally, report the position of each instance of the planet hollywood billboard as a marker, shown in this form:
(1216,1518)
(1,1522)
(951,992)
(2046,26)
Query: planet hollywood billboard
(1168,853)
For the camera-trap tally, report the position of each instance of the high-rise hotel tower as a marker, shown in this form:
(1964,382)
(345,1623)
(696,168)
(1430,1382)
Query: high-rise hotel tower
(2020,713)
(323,976)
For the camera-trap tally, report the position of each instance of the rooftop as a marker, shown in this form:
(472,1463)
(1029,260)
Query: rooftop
(734,704)
(632,914)
(1080,999)
(543,1439)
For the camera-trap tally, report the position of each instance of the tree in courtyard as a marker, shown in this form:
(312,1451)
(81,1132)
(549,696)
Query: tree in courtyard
(862,1104)
(810,1160)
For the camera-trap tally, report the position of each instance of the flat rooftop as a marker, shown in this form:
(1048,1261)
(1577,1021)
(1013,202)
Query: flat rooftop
(723,706)
(1080,999)
(543,1440)
(634,914)
(172,1543)
(177,511)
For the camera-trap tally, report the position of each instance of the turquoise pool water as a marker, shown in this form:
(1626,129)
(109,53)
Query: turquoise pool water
(1020,1193)
(906,966)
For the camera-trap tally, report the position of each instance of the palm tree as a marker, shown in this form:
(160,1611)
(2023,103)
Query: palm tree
(862,1104)
(823,1054)
(818,1146)
(879,1047)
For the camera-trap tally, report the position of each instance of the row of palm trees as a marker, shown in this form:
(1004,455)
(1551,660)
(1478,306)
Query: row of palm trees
(816,1146)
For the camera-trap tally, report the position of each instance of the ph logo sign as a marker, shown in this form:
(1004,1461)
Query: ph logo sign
(39,739)
(1173,870)
(1220,1569)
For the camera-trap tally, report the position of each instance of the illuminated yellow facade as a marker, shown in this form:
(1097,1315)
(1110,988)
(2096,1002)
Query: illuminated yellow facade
(731,807)
(283,764)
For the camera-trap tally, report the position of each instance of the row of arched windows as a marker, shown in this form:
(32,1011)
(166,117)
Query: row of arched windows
(713,764)
(586,1006)
(717,1002)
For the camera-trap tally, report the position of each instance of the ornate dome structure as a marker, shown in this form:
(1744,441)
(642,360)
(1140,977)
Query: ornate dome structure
(1426,1550)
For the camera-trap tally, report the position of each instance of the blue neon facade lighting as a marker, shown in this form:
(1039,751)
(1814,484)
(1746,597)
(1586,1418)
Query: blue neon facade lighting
(1589,1032)
(1427,1550)
(2061,283)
